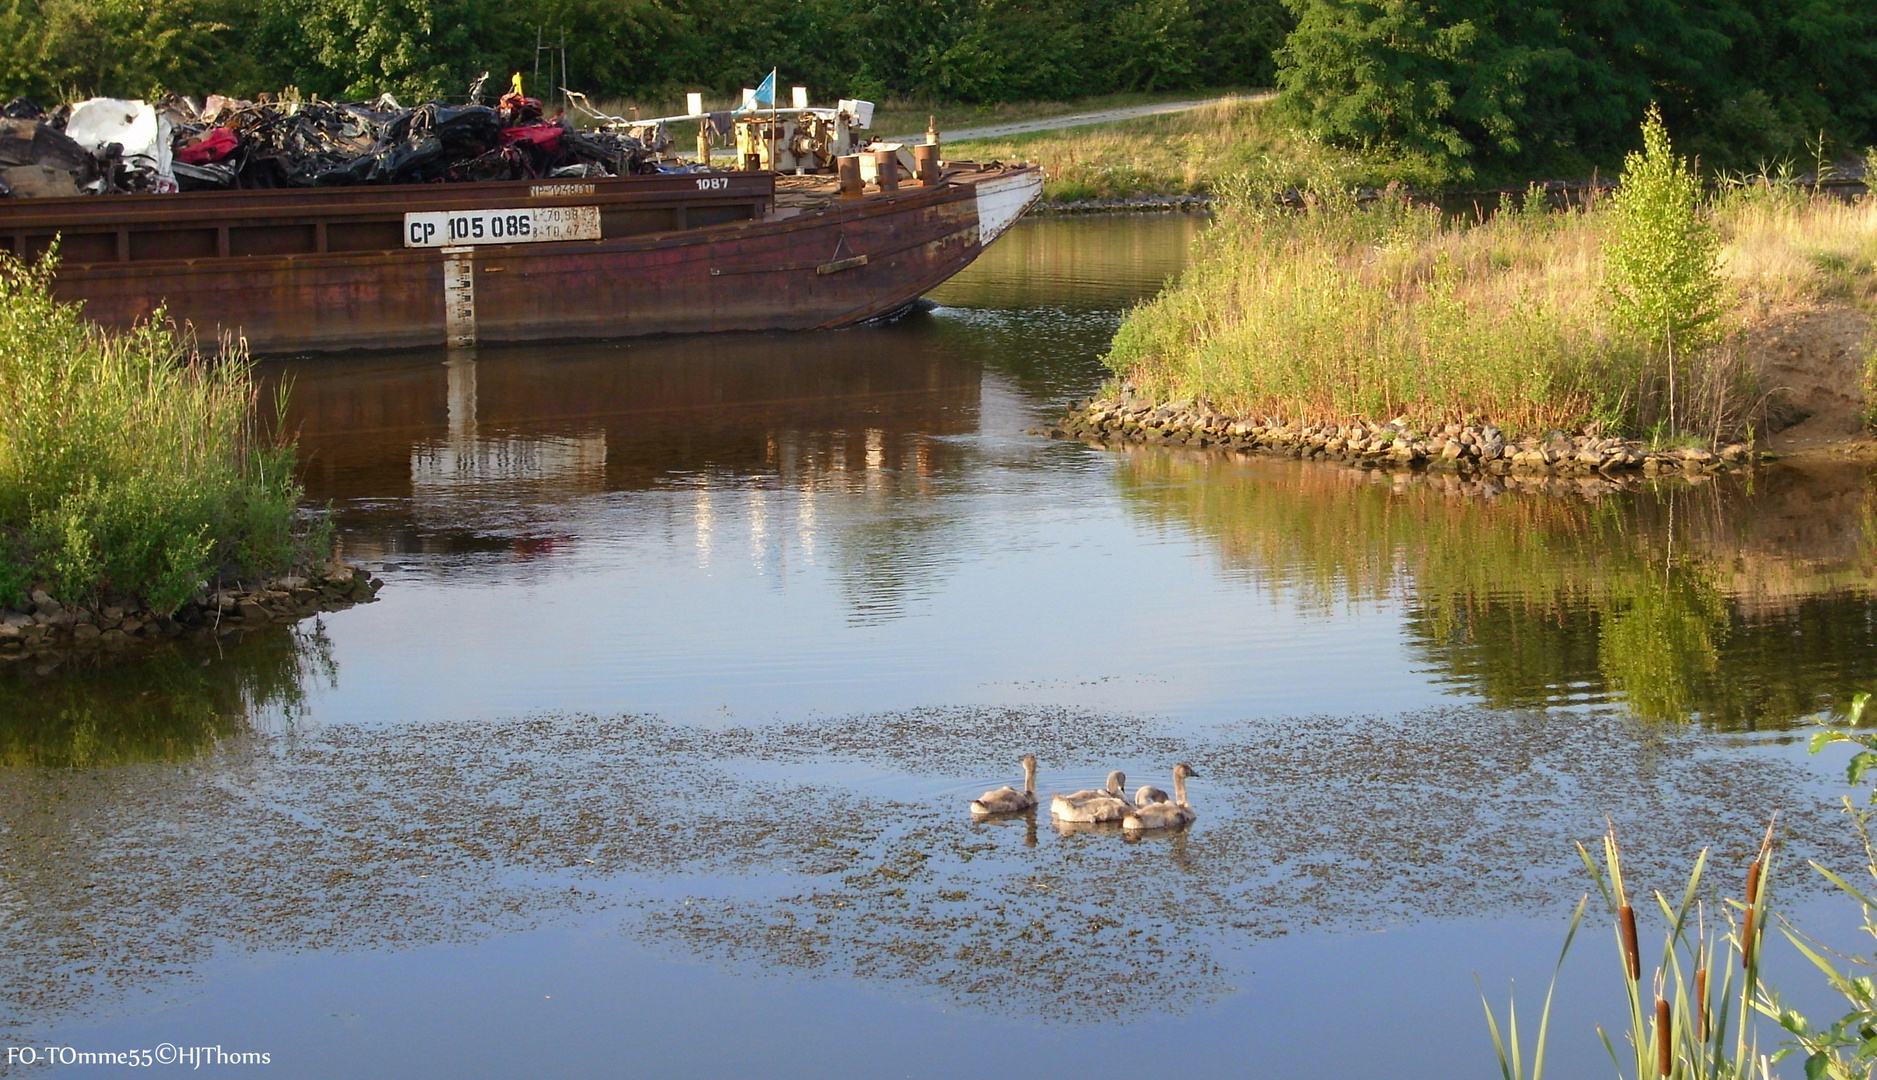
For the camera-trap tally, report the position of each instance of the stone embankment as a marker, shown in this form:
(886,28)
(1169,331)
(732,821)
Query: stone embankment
(1132,204)
(1395,444)
(43,624)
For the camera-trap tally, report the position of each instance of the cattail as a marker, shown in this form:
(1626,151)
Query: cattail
(1626,919)
(1746,940)
(1753,882)
(1701,1004)
(1664,1049)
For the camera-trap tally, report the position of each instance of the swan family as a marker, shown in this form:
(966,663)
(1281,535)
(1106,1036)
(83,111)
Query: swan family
(1151,808)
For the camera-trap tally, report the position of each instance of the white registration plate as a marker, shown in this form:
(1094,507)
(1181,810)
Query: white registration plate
(529,225)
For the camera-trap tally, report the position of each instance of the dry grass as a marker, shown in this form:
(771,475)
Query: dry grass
(1341,312)
(1784,246)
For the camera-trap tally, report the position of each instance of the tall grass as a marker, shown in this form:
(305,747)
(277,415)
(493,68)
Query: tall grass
(131,465)
(1625,315)
(1343,311)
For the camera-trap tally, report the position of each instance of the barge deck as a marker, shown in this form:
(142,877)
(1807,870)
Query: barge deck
(325,269)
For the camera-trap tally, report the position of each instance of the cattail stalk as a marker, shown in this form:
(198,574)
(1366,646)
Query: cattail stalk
(1664,1046)
(1626,918)
(1701,1005)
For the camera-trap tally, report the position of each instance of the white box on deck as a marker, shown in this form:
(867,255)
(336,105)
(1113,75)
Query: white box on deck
(861,111)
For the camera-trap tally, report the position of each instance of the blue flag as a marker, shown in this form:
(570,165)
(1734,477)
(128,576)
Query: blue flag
(765,93)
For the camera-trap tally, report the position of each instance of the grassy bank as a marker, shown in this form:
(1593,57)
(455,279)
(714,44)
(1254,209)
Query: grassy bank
(1190,153)
(131,465)
(1635,316)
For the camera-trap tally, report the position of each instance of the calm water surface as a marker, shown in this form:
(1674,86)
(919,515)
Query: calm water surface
(653,755)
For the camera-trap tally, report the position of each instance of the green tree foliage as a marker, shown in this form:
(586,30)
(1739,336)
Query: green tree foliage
(971,50)
(132,46)
(1490,88)
(1663,259)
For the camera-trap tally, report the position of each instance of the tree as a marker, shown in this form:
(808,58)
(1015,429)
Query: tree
(1663,263)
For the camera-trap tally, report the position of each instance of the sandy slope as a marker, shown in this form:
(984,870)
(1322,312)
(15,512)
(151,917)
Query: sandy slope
(1813,356)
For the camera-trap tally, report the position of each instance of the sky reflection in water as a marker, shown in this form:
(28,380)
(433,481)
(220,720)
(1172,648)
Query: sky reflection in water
(829,586)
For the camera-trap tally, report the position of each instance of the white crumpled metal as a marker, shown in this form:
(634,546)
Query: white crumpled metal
(135,125)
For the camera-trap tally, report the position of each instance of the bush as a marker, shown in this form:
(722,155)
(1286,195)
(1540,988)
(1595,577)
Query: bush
(970,50)
(130,464)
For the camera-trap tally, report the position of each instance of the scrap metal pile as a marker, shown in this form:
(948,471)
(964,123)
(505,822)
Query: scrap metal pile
(106,146)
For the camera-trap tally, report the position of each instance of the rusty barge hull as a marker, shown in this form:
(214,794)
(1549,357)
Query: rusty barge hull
(326,270)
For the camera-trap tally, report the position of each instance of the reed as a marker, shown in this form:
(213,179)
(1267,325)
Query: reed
(1686,1032)
(131,464)
(1505,1042)
(1680,1025)
(1342,311)
(1846,1048)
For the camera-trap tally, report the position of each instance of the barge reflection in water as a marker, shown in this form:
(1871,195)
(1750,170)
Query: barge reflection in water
(650,600)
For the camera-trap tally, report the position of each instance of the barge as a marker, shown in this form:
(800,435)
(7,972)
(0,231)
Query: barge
(322,269)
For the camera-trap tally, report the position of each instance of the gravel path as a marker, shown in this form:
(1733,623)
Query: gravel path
(1055,123)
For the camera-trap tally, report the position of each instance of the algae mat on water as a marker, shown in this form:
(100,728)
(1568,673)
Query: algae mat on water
(345,839)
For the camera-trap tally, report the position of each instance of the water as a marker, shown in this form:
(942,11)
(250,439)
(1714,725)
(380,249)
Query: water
(653,755)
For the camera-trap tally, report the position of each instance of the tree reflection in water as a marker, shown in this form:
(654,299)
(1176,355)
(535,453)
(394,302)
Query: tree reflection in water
(174,704)
(1744,603)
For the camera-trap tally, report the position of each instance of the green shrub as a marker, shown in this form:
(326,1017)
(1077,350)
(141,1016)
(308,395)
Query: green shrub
(1663,280)
(1496,90)
(1664,258)
(130,464)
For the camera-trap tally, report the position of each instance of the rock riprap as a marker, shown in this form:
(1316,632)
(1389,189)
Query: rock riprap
(43,623)
(1396,443)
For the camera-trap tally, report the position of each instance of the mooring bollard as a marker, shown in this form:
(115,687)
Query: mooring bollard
(887,164)
(848,165)
(927,159)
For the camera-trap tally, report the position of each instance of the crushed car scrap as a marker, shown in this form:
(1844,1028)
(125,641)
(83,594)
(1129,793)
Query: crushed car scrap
(107,146)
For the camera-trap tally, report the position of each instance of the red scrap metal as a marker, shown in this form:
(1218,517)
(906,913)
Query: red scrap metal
(213,147)
(543,137)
